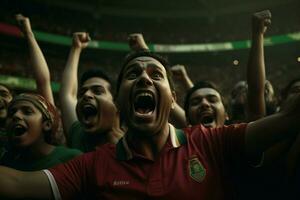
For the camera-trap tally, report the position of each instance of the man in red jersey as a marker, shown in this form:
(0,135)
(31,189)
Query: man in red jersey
(154,160)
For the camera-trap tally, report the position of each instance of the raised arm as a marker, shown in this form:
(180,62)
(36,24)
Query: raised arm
(39,64)
(256,67)
(16,184)
(69,84)
(136,42)
(181,76)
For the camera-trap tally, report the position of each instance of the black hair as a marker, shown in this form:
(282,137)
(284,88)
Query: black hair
(198,85)
(94,72)
(142,53)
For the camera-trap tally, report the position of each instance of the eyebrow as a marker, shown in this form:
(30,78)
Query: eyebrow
(203,96)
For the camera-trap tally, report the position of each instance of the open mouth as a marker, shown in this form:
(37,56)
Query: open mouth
(18,130)
(144,103)
(89,111)
(207,120)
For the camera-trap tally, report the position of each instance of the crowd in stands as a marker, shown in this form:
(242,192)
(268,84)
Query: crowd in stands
(148,128)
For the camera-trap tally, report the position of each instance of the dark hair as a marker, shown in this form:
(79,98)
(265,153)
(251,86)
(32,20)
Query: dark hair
(285,91)
(142,53)
(94,72)
(197,86)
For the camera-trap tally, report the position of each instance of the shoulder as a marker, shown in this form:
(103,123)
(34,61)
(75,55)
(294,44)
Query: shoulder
(200,129)
(64,153)
(200,132)
(67,151)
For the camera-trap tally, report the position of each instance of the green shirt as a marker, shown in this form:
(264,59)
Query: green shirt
(60,154)
(79,139)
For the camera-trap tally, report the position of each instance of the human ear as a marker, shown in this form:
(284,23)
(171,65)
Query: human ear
(47,125)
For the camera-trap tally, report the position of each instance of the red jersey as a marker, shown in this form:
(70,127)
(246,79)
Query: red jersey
(195,163)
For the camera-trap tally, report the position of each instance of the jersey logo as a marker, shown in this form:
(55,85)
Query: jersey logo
(197,170)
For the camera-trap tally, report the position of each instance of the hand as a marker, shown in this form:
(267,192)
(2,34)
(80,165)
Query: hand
(260,21)
(179,72)
(136,42)
(24,24)
(81,39)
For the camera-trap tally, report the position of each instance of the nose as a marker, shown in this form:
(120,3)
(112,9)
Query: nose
(88,95)
(17,116)
(144,79)
(204,103)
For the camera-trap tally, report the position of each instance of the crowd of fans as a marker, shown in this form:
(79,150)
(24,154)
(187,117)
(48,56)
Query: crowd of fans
(143,136)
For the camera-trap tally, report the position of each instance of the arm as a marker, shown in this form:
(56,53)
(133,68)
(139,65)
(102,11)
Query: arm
(18,184)
(40,67)
(69,85)
(136,42)
(263,133)
(177,117)
(180,75)
(256,67)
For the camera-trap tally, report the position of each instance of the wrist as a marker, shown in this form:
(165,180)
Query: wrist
(76,49)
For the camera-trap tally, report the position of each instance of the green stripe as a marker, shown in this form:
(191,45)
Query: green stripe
(165,48)
(52,38)
(181,136)
(24,83)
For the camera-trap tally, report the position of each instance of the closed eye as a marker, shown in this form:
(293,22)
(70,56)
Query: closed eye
(98,90)
(27,111)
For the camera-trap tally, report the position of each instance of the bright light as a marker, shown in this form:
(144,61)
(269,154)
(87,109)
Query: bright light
(235,62)
(298,59)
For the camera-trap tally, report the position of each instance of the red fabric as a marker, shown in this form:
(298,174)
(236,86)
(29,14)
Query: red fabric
(10,30)
(99,175)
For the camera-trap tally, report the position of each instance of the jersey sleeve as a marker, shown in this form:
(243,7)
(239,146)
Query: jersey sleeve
(226,145)
(71,178)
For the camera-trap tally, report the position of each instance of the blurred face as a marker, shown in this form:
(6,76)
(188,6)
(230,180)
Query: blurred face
(5,98)
(95,108)
(145,98)
(24,124)
(206,108)
(295,89)
(269,92)
(239,95)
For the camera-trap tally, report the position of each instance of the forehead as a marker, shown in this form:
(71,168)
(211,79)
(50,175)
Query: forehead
(22,103)
(96,81)
(144,61)
(203,92)
(240,85)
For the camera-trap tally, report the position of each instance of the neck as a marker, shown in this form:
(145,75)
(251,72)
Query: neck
(98,139)
(38,150)
(150,145)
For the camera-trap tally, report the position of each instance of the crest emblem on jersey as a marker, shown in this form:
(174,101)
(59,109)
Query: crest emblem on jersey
(197,170)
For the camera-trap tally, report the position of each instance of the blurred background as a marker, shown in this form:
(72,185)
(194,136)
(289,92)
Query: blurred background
(209,37)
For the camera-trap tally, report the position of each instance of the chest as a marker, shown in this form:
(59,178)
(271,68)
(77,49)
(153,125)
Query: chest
(176,174)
